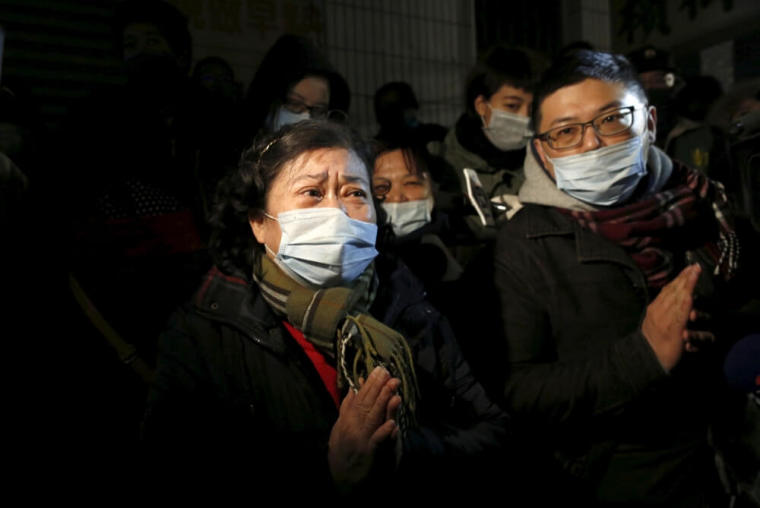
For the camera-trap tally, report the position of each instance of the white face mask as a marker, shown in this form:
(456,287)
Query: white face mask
(322,247)
(507,131)
(284,116)
(606,176)
(408,216)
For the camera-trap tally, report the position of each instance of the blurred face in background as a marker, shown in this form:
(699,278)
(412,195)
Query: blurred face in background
(404,192)
(309,98)
(507,98)
(152,67)
(394,181)
(505,117)
(144,39)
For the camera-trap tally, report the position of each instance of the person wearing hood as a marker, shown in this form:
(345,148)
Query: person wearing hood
(600,276)
(490,137)
(294,82)
(396,111)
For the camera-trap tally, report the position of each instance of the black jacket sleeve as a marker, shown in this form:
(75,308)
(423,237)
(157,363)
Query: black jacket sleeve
(461,431)
(544,387)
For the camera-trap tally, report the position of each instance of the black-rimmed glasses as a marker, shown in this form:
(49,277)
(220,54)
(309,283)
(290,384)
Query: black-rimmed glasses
(609,123)
(316,112)
(296,106)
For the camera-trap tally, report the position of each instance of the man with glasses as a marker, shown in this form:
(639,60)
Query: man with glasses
(599,276)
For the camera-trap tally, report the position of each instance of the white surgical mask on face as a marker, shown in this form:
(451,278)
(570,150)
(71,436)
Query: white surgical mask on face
(284,116)
(408,216)
(606,176)
(507,131)
(323,247)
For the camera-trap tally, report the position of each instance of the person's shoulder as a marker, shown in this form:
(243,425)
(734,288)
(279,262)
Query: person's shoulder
(457,155)
(534,220)
(531,235)
(229,300)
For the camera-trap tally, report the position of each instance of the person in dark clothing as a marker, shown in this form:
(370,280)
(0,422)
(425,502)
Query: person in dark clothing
(294,82)
(692,140)
(263,374)
(402,184)
(600,278)
(396,109)
(486,147)
(129,188)
(660,82)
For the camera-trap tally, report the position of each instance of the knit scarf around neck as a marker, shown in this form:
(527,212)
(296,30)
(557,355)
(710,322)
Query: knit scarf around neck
(680,217)
(336,321)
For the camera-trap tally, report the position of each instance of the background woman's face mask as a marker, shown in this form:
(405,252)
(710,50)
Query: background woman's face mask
(283,116)
(507,131)
(408,216)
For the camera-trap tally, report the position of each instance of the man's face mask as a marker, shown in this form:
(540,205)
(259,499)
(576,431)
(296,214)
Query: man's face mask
(606,176)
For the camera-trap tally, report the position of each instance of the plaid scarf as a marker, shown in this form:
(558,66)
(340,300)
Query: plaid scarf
(675,219)
(336,321)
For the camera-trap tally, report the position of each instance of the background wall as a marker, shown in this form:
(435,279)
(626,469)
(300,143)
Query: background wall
(716,37)
(428,43)
(63,49)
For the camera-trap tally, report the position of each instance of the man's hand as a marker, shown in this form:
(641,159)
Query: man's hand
(664,326)
(365,421)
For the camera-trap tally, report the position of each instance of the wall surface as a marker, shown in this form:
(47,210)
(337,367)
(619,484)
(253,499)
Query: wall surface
(716,41)
(428,43)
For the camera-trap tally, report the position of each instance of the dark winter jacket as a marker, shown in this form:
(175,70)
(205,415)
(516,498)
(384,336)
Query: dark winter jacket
(585,388)
(233,387)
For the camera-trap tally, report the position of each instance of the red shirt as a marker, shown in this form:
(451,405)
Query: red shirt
(327,372)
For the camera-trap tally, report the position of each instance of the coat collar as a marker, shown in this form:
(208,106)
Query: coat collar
(589,246)
(232,300)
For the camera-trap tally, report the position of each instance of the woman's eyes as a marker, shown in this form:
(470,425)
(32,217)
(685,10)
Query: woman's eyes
(357,193)
(381,189)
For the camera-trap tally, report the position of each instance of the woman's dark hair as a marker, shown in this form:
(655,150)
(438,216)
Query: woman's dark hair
(242,194)
(579,66)
(287,62)
(499,66)
(417,159)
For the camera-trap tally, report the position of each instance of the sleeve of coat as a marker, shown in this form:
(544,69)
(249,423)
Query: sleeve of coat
(458,418)
(180,406)
(540,388)
(196,428)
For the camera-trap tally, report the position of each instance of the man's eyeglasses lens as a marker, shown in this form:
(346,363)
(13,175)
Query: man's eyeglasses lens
(606,124)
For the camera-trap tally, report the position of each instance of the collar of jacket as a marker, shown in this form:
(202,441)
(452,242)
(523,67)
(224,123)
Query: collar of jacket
(234,301)
(470,141)
(589,246)
(399,289)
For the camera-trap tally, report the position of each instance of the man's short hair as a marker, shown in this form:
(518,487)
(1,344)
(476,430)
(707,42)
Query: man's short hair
(500,65)
(579,66)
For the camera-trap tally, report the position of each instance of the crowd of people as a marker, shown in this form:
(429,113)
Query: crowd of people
(553,300)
